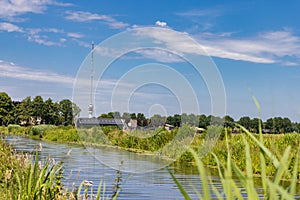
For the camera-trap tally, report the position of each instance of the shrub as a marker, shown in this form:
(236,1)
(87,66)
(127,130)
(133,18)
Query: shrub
(13,128)
(39,130)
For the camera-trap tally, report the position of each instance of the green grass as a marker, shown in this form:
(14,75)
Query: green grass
(286,167)
(23,179)
(161,142)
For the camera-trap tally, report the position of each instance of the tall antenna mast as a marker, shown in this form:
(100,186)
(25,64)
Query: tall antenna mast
(91,107)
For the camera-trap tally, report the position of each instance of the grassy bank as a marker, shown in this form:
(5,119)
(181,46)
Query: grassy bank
(274,157)
(153,141)
(22,179)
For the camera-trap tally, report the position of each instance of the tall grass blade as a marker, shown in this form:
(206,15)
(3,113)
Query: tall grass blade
(262,147)
(283,167)
(252,194)
(284,194)
(202,173)
(99,191)
(181,189)
(294,180)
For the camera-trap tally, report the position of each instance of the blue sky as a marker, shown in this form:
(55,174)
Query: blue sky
(255,46)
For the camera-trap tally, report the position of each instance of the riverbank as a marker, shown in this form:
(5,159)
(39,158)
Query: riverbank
(20,178)
(150,142)
(285,165)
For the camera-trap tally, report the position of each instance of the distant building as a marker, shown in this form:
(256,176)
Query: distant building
(90,122)
(169,127)
(132,124)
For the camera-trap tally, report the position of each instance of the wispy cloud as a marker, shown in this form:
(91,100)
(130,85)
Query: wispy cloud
(266,47)
(10,70)
(160,55)
(4,26)
(75,35)
(81,16)
(43,36)
(201,13)
(10,9)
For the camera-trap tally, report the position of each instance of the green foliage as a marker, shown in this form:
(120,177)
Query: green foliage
(6,107)
(39,130)
(62,134)
(13,128)
(286,167)
(22,179)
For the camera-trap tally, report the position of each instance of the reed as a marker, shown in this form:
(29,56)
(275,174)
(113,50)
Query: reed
(274,187)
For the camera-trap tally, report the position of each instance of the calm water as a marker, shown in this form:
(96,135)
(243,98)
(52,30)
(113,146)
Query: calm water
(81,165)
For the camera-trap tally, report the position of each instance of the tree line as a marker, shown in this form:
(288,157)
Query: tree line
(30,110)
(271,125)
(35,110)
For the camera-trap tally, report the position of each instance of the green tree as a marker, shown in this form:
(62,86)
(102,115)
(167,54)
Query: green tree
(254,124)
(228,122)
(24,111)
(105,116)
(157,120)
(126,116)
(133,116)
(116,115)
(52,112)
(65,110)
(204,121)
(141,120)
(6,106)
(245,122)
(38,109)
(193,120)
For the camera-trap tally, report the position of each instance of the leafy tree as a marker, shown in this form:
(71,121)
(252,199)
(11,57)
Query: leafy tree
(204,121)
(52,112)
(105,115)
(38,108)
(254,124)
(245,121)
(6,106)
(174,120)
(24,111)
(228,121)
(193,120)
(141,120)
(117,115)
(269,124)
(65,110)
(133,116)
(157,120)
(216,120)
(126,116)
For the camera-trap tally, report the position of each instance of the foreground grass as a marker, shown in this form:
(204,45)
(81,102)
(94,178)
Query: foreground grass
(285,165)
(24,179)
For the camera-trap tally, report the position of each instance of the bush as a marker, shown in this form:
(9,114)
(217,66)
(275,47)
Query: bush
(13,128)
(39,130)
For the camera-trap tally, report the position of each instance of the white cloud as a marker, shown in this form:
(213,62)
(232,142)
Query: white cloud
(10,70)
(201,13)
(42,35)
(267,47)
(160,55)
(75,35)
(81,16)
(4,26)
(9,9)
(160,23)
